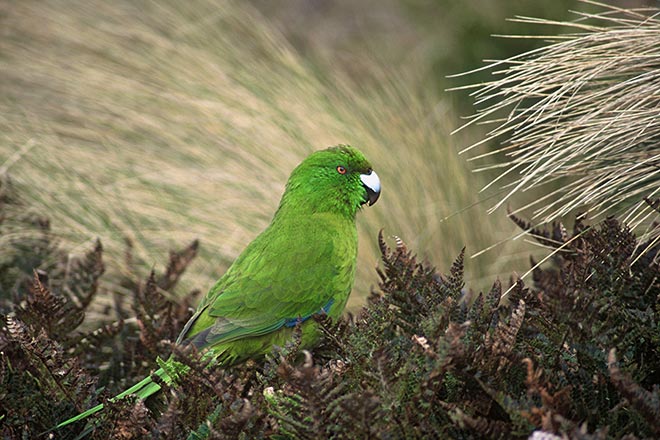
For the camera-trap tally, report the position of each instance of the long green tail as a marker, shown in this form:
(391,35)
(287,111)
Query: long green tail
(143,389)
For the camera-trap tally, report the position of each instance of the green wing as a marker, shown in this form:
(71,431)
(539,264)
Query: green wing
(274,283)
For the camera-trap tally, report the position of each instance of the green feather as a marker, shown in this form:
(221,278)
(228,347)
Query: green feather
(302,264)
(143,389)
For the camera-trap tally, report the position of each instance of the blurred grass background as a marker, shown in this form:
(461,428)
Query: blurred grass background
(163,121)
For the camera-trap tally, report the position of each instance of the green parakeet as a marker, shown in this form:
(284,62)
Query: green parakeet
(302,264)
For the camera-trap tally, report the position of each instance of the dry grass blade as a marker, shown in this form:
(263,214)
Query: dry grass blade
(579,118)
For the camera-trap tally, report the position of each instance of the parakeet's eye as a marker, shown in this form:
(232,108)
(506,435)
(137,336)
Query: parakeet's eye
(341,170)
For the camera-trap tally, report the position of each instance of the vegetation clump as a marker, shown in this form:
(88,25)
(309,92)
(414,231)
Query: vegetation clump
(577,119)
(576,355)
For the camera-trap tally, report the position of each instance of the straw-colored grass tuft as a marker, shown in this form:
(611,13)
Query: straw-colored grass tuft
(163,122)
(579,118)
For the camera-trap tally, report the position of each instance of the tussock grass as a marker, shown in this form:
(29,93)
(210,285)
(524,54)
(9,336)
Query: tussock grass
(162,122)
(579,118)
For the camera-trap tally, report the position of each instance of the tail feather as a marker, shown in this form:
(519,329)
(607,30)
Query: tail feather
(143,389)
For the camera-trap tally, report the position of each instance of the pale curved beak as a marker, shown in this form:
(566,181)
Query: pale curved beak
(371,183)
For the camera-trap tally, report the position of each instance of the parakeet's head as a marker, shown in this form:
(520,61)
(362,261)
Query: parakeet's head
(339,179)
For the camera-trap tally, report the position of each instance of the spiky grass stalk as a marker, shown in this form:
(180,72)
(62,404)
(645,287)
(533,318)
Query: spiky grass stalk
(580,118)
(163,122)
